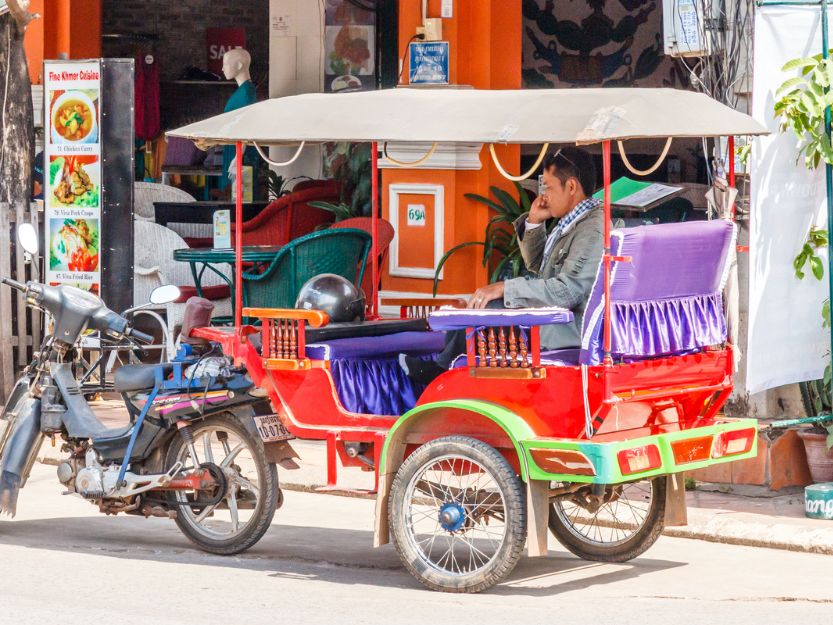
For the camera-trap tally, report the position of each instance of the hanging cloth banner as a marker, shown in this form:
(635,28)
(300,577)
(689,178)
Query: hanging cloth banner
(786,341)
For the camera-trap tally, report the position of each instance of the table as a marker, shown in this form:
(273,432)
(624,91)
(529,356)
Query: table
(201,212)
(209,257)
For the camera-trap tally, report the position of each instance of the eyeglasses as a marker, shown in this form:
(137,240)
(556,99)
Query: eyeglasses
(566,158)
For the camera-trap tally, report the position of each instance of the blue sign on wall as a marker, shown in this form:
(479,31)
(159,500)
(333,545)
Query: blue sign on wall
(428,63)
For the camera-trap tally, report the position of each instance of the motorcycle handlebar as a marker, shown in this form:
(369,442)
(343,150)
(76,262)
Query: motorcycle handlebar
(140,336)
(14,284)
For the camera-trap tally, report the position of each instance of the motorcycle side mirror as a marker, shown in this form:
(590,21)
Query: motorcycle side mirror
(27,236)
(165,294)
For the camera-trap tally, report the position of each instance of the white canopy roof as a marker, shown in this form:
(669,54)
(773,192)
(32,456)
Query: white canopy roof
(449,115)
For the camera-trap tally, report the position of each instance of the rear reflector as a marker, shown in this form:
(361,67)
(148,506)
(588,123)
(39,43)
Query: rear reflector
(563,461)
(692,449)
(734,442)
(639,459)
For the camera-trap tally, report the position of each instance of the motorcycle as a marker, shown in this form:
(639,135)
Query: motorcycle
(191,450)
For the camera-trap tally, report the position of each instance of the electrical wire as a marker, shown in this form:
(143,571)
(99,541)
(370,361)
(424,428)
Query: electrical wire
(404,55)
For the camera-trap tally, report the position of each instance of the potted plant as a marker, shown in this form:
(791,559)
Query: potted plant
(349,163)
(801,105)
(500,236)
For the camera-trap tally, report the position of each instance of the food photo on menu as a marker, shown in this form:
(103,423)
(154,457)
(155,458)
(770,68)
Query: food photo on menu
(74,245)
(74,116)
(74,180)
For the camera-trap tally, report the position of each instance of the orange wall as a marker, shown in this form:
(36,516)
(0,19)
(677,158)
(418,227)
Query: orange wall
(485,52)
(63,29)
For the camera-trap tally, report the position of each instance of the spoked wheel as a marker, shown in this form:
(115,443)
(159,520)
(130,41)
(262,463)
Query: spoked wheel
(458,515)
(236,511)
(615,526)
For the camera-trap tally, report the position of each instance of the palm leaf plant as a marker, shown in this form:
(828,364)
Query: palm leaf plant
(350,165)
(500,237)
(801,105)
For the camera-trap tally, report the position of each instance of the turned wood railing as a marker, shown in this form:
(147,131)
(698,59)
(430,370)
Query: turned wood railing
(283,333)
(421,307)
(504,352)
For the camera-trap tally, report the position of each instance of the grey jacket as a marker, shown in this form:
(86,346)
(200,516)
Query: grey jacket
(567,276)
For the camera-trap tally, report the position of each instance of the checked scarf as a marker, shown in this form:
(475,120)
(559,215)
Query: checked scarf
(566,223)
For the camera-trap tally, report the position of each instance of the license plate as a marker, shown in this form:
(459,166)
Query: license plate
(271,429)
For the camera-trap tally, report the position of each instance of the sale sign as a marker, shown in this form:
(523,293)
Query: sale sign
(218,41)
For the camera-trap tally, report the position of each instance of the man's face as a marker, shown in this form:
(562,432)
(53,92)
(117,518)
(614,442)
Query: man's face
(561,197)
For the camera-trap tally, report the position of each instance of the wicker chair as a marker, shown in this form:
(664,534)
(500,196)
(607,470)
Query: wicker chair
(288,217)
(146,193)
(153,266)
(385,236)
(342,252)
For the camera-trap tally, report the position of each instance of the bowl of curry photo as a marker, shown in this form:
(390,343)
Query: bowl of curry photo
(74,119)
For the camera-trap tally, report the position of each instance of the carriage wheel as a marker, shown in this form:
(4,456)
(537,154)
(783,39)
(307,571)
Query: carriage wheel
(458,515)
(615,526)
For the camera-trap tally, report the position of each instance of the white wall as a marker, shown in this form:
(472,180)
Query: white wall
(296,65)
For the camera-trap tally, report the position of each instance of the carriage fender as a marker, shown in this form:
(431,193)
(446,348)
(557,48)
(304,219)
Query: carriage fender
(393,451)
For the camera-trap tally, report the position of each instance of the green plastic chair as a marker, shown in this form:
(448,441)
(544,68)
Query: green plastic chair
(342,252)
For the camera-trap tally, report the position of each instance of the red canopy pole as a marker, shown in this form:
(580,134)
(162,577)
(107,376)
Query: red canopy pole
(606,166)
(374,229)
(238,239)
(731,157)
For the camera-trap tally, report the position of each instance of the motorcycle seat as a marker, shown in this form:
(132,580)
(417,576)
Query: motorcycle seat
(138,377)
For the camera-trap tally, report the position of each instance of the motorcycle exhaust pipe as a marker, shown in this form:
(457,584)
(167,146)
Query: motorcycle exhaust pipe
(19,452)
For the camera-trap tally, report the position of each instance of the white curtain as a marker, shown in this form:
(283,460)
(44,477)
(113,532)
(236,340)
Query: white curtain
(786,341)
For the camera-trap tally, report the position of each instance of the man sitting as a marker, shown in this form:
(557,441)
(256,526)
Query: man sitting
(563,264)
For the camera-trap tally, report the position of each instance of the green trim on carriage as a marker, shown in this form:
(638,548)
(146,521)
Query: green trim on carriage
(515,427)
(603,456)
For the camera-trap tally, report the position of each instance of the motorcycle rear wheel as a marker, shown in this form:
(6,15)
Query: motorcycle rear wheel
(250,495)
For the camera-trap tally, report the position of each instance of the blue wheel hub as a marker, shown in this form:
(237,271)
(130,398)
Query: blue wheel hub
(452,516)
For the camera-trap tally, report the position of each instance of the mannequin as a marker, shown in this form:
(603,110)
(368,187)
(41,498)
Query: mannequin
(236,65)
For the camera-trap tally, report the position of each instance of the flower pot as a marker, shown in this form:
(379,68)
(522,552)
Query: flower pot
(819,457)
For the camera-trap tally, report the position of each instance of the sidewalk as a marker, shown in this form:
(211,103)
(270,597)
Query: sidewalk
(756,518)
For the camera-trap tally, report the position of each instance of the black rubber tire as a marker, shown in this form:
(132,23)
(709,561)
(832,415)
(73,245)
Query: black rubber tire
(267,480)
(514,495)
(631,548)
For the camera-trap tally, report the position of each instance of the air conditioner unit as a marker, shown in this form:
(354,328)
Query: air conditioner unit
(684,25)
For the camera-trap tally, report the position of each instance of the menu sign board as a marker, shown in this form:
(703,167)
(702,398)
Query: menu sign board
(72,171)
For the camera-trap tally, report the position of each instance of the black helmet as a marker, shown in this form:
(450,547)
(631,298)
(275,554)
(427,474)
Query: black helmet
(336,296)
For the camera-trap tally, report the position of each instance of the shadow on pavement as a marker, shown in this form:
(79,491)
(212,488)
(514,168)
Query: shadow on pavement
(290,551)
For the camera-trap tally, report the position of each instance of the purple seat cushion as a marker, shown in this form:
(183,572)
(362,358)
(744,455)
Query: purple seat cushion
(460,319)
(668,298)
(366,371)
(377,347)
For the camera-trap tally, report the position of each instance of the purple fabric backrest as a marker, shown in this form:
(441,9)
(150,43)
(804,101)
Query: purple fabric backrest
(668,298)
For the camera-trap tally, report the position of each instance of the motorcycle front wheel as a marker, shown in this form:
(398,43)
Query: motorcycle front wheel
(236,513)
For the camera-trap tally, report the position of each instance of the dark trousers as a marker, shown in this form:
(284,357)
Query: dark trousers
(455,340)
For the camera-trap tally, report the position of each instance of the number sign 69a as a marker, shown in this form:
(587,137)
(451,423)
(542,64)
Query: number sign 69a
(416,215)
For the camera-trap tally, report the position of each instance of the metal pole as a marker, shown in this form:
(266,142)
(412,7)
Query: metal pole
(731,158)
(238,240)
(374,227)
(607,200)
(828,172)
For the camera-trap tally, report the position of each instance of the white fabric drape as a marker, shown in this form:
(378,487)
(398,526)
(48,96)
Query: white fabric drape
(786,341)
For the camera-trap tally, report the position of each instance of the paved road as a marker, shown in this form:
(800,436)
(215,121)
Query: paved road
(60,561)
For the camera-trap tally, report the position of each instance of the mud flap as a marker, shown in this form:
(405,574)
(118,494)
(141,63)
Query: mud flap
(537,517)
(676,512)
(19,452)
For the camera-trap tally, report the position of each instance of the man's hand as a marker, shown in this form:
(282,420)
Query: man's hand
(539,212)
(486,294)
